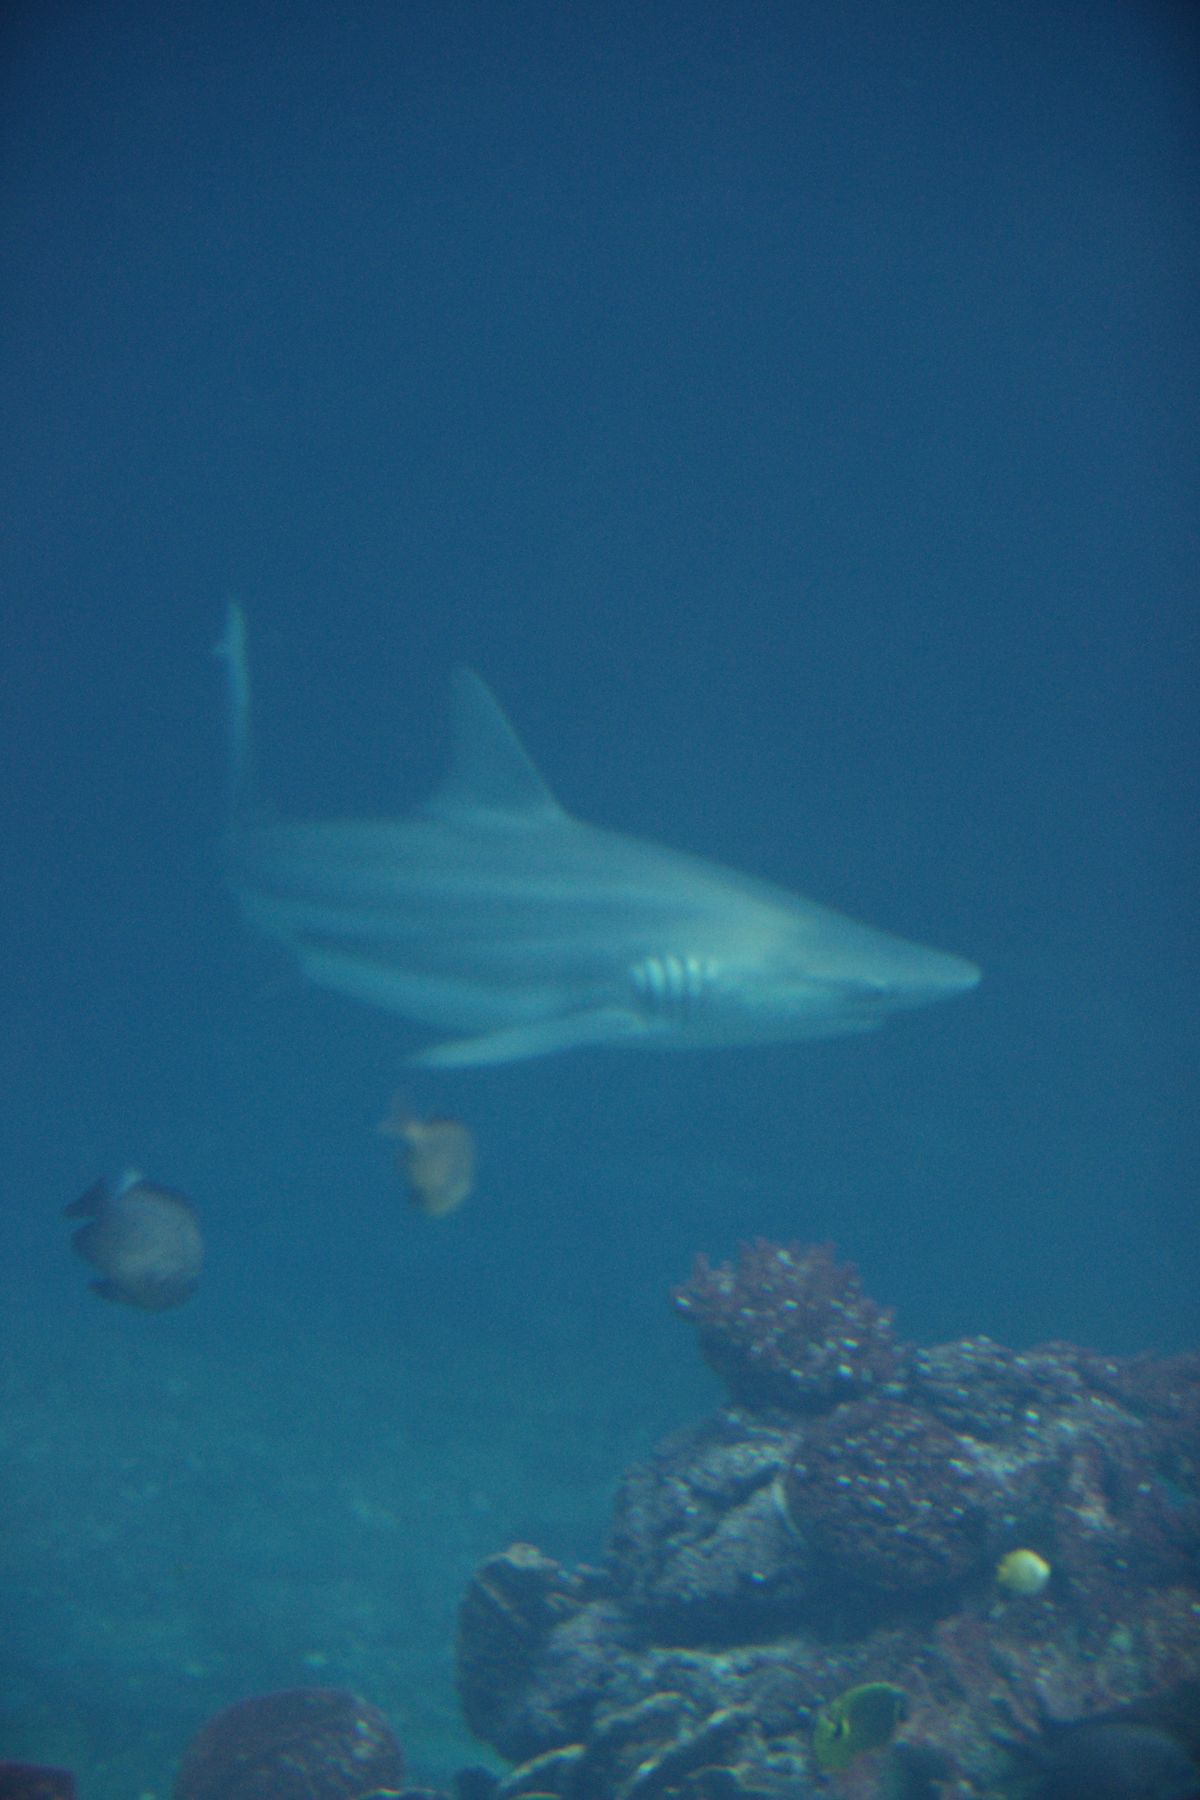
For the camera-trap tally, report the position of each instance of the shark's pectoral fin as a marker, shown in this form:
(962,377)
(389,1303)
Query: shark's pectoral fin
(541,1037)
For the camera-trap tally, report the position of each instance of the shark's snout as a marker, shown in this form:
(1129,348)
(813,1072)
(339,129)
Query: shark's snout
(962,976)
(919,976)
(944,975)
(873,974)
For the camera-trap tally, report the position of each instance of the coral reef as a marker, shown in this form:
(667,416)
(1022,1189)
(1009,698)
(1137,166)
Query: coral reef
(836,1530)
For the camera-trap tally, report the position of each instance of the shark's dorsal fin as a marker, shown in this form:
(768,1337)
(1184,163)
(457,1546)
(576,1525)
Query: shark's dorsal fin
(490,772)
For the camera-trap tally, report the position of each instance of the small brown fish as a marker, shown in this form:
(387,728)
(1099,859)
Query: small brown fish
(143,1239)
(435,1156)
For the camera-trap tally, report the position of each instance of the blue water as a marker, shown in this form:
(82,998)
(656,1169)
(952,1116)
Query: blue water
(791,411)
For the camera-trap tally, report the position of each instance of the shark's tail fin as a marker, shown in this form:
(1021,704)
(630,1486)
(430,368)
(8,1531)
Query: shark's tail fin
(231,648)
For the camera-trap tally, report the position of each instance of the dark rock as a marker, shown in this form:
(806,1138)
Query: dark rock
(514,1602)
(702,1549)
(474,1784)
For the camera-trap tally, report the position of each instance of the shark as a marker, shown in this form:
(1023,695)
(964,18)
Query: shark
(498,921)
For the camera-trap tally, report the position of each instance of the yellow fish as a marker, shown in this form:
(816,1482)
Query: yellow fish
(1022,1572)
(861,1719)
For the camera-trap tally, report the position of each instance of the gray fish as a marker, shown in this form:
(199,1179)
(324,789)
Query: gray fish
(143,1239)
(493,916)
(1113,1760)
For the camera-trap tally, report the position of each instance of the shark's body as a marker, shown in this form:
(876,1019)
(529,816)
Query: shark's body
(492,915)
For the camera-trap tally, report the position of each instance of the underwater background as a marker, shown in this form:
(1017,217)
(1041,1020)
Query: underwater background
(791,412)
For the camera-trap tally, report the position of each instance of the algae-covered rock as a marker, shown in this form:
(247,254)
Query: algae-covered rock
(299,1744)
